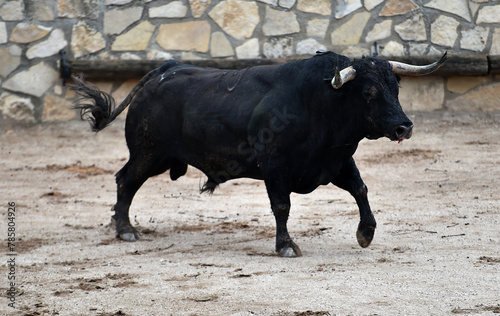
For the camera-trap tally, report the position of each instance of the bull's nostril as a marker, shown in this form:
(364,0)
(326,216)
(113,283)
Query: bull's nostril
(400,131)
(403,131)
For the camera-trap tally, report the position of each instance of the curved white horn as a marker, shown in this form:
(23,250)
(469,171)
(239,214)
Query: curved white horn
(343,76)
(412,70)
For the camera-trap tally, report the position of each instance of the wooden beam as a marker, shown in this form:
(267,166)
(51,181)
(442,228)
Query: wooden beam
(126,69)
(457,65)
(494,64)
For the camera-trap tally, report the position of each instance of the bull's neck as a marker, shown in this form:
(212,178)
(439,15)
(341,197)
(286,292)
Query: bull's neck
(341,119)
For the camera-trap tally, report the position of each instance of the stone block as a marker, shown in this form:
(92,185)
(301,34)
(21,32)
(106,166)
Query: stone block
(12,10)
(24,33)
(371,4)
(130,56)
(58,89)
(355,51)
(220,46)
(198,7)
(392,49)
(422,93)
(190,56)
(279,23)
(3,33)
(158,55)
(433,51)
(464,84)
(42,10)
(495,43)
(413,29)
(136,39)
(116,21)
(34,81)
(185,36)
(346,7)
(484,98)
(309,47)
(174,9)
(236,18)
(10,59)
(49,47)
(398,7)
(418,49)
(457,7)
(380,31)
(350,32)
(474,39)
(249,50)
(16,108)
(323,7)
(287,4)
(278,47)
(86,40)
(489,14)
(444,31)
(57,109)
(73,9)
(317,27)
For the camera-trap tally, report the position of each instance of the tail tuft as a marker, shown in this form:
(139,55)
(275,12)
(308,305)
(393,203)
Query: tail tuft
(95,106)
(209,186)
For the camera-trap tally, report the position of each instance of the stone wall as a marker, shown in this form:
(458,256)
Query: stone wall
(32,32)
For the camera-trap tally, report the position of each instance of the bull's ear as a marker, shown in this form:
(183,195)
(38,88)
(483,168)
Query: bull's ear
(398,78)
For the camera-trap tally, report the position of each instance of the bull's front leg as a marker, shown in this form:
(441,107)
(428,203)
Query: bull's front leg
(280,205)
(350,180)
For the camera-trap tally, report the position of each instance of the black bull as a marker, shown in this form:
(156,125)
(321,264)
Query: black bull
(296,126)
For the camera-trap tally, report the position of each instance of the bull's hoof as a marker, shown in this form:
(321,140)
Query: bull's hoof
(365,235)
(129,236)
(125,231)
(291,251)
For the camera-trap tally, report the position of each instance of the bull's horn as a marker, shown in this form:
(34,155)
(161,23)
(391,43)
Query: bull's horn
(412,70)
(343,76)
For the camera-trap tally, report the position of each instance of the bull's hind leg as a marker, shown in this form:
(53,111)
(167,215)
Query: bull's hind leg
(350,180)
(129,179)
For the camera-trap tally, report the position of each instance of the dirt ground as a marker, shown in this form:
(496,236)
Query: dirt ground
(436,251)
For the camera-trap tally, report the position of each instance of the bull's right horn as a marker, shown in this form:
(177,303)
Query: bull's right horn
(412,70)
(341,77)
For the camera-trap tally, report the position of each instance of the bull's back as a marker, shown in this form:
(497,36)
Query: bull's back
(200,115)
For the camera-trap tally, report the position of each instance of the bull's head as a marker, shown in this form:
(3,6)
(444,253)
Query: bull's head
(377,88)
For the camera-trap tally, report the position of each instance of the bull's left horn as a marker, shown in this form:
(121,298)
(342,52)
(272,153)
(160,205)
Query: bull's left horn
(412,70)
(341,77)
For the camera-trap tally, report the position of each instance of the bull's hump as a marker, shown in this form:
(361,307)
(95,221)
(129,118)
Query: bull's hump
(167,65)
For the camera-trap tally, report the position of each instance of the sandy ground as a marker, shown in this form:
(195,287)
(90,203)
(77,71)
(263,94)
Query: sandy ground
(436,251)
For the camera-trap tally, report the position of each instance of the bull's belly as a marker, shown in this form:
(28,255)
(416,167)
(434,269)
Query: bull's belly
(305,185)
(224,168)
(224,165)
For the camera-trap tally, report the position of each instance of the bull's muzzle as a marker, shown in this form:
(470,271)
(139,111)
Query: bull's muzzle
(403,131)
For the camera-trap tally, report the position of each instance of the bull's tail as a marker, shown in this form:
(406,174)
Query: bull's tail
(98,107)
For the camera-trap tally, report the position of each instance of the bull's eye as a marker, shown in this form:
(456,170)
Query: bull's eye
(370,93)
